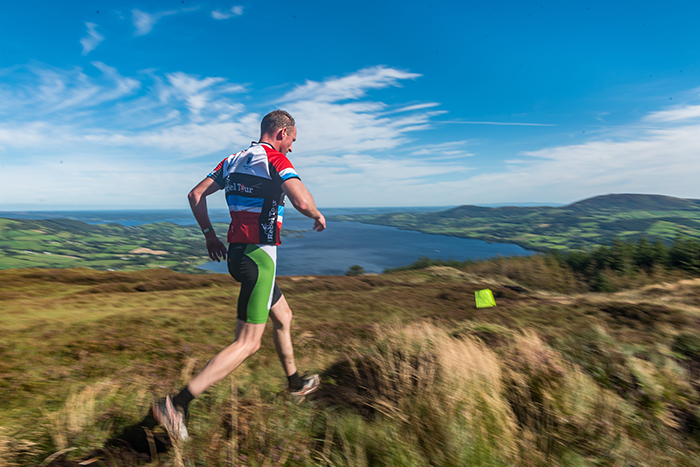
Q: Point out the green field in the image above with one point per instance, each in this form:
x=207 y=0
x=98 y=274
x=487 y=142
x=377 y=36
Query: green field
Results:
x=64 y=243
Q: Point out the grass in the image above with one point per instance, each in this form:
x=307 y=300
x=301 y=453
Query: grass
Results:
x=413 y=374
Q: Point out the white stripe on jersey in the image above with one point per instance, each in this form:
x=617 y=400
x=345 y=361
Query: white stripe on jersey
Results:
x=288 y=173
x=252 y=161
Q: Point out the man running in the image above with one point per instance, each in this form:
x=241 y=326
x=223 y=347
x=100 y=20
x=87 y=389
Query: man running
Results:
x=255 y=181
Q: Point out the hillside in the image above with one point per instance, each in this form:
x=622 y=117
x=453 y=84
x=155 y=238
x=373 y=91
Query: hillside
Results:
x=581 y=225
x=59 y=243
x=636 y=202
x=413 y=374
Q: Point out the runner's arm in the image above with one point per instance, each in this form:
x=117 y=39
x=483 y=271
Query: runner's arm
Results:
x=198 y=202
x=304 y=202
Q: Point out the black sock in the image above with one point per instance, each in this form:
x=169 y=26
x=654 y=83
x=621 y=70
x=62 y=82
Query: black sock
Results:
x=295 y=381
x=183 y=399
x=149 y=421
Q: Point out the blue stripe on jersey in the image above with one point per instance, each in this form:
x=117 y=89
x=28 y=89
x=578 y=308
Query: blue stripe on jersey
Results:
x=241 y=203
x=280 y=213
x=286 y=174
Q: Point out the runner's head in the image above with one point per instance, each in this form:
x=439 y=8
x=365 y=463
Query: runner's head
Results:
x=278 y=128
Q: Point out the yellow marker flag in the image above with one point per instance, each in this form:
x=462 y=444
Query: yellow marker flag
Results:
x=484 y=298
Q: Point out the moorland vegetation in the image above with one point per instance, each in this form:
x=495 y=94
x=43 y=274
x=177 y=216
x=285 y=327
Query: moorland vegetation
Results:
x=413 y=373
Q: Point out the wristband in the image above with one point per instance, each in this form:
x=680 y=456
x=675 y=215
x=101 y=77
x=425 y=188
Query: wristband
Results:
x=207 y=230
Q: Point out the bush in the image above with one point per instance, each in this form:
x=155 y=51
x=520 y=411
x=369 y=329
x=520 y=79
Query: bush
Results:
x=355 y=270
x=688 y=345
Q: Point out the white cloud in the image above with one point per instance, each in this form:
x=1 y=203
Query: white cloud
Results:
x=351 y=149
x=46 y=91
x=365 y=180
x=181 y=115
x=184 y=141
x=92 y=40
x=634 y=159
x=411 y=108
x=193 y=90
x=153 y=124
x=675 y=114
x=233 y=11
x=31 y=135
x=332 y=118
x=448 y=150
x=656 y=161
x=466 y=122
x=121 y=86
x=91 y=181
x=144 y=22
x=353 y=86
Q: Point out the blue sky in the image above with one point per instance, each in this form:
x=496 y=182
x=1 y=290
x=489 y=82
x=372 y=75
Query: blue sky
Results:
x=107 y=105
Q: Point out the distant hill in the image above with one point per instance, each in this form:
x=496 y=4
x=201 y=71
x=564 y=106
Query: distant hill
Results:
x=636 y=202
x=580 y=225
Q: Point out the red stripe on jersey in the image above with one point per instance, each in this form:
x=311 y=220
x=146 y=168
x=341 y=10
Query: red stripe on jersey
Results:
x=278 y=160
x=244 y=228
x=278 y=239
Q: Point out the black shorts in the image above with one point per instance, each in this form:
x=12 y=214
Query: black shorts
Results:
x=254 y=267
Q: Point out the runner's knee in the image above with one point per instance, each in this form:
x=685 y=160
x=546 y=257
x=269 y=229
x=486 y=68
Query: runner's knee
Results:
x=281 y=319
x=253 y=347
x=250 y=346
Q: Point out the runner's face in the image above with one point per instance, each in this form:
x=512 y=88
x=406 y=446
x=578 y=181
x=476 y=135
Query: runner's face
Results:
x=288 y=137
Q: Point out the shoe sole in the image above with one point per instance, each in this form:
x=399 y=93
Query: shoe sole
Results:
x=166 y=420
x=301 y=394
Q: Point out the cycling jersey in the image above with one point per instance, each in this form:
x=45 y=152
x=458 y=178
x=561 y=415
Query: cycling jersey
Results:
x=252 y=180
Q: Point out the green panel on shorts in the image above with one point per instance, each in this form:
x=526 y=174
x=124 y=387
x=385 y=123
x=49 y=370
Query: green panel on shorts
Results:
x=258 y=311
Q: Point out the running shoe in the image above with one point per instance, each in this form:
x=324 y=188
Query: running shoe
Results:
x=171 y=418
x=309 y=384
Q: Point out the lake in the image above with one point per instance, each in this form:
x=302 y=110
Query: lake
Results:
x=333 y=251
x=374 y=247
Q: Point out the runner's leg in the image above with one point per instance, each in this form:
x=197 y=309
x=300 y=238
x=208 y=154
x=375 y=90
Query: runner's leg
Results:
x=299 y=385
x=254 y=267
x=281 y=316
x=246 y=344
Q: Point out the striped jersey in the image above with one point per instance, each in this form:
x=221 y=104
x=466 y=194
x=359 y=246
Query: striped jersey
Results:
x=252 y=180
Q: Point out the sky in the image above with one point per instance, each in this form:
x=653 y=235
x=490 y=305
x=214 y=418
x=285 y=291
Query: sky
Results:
x=128 y=105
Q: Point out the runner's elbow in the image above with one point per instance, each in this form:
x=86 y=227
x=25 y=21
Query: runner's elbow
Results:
x=194 y=196
x=301 y=205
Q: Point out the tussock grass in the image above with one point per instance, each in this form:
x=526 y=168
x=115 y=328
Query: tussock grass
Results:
x=438 y=395
x=14 y=450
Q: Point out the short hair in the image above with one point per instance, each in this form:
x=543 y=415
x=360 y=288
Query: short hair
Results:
x=276 y=120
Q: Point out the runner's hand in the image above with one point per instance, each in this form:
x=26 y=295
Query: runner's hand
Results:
x=320 y=223
x=215 y=247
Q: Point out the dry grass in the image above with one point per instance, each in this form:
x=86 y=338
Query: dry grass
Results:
x=537 y=272
x=15 y=451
